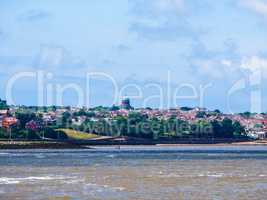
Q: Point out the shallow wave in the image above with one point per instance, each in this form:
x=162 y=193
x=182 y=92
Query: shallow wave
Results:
x=40 y=156
x=212 y=175
x=4 y=154
x=105 y=187
x=111 y=156
x=8 y=180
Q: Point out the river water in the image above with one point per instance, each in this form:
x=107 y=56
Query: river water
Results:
x=138 y=173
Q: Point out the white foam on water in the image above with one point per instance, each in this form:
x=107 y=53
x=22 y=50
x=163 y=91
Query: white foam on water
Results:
x=100 y=188
x=111 y=156
x=215 y=175
x=4 y=154
x=119 y=188
x=39 y=156
x=171 y=175
x=8 y=180
x=174 y=175
x=74 y=181
x=201 y=175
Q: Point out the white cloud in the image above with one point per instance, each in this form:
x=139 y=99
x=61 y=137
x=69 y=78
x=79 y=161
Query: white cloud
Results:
x=257 y=6
x=217 y=64
x=51 y=56
x=156 y=8
x=209 y=67
x=169 y=5
x=216 y=68
x=58 y=58
x=161 y=20
x=254 y=64
x=32 y=15
x=226 y=62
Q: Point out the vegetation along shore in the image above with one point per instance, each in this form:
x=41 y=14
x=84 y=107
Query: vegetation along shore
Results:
x=71 y=127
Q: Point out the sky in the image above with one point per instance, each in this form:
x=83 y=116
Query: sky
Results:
x=160 y=53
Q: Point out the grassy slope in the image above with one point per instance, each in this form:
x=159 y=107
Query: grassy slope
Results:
x=77 y=135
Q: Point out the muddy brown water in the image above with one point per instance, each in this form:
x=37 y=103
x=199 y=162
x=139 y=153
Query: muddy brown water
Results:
x=144 y=173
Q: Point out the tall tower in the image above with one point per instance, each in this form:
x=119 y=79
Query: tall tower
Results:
x=125 y=104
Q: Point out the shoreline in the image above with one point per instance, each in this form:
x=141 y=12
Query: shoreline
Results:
x=6 y=145
x=38 y=145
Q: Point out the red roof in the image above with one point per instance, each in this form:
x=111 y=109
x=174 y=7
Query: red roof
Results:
x=9 y=121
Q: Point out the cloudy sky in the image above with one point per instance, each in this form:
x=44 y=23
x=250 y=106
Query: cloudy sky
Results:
x=182 y=46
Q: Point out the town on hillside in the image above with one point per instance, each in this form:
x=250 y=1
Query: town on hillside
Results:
x=58 y=122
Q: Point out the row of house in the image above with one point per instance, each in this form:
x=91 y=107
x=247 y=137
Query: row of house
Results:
x=255 y=125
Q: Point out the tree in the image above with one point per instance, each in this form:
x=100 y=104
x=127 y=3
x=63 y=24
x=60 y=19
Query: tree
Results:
x=200 y=114
x=81 y=112
x=3 y=105
x=202 y=129
x=66 y=118
x=87 y=126
x=45 y=109
x=3 y=133
x=182 y=128
x=239 y=130
x=54 y=108
x=156 y=127
x=114 y=108
x=227 y=127
x=32 y=135
x=246 y=114
x=186 y=108
x=90 y=114
x=223 y=129
x=136 y=117
x=119 y=126
x=217 y=111
x=25 y=117
x=138 y=125
x=217 y=128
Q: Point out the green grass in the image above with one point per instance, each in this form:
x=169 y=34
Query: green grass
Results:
x=78 y=135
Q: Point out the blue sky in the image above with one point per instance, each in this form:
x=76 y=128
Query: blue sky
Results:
x=198 y=42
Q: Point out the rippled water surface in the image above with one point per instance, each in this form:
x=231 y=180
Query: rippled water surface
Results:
x=135 y=173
